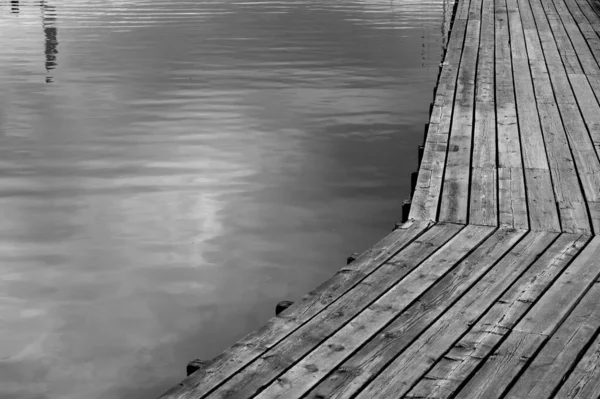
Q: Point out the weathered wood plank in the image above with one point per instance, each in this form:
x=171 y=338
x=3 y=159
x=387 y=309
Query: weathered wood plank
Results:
x=584 y=381
x=276 y=359
x=452 y=370
x=484 y=206
x=333 y=351
x=590 y=14
x=425 y=201
x=564 y=45
x=483 y=209
x=584 y=155
x=343 y=382
x=585 y=28
x=276 y=329
x=543 y=212
x=437 y=339
x=455 y=192
x=569 y=198
x=534 y=329
x=584 y=54
x=544 y=375
x=511 y=197
x=512 y=203
x=567 y=191
x=588 y=105
x=543 y=215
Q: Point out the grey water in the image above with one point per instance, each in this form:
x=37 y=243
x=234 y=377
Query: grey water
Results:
x=171 y=169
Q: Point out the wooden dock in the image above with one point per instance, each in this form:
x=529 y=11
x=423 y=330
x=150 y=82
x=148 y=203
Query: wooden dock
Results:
x=490 y=289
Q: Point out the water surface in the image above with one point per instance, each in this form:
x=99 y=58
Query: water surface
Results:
x=170 y=170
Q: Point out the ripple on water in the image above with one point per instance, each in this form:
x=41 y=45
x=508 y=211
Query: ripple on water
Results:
x=169 y=170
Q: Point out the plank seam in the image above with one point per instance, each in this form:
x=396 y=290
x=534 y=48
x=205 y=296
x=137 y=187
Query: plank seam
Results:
x=439 y=202
x=518 y=320
x=569 y=9
x=473 y=119
x=373 y=377
x=556 y=327
x=576 y=361
x=577 y=101
x=518 y=119
x=456 y=264
x=496 y=127
x=596 y=95
x=481 y=315
x=560 y=115
x=554 y=189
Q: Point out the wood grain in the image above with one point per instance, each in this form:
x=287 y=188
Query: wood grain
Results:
x=439 y=338
x=455 y=193
x=457 y=366
x=534 y=329
x=512 y=202
x=329 y=354
x=346 y=379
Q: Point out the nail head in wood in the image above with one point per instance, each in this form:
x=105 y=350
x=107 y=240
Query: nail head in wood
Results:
x=397 y=226
x=195 y=365
x=281 y=306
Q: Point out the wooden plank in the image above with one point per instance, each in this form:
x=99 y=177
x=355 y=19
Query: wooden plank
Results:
x=462 y=12
x=533 y=330
x=451 y=371
x=425 y=201
x=543 y=215
x=550 y=367
x=567 y=192
x=276 y=329
x=586 y=159
x=586 y=29
x=317 y=364
x=512 y=203
x=437 y=339
x=590 y=109
x=410 y=324
x=276 y=359
x=543 y=212
x=511 y=197
x=584 y=54
x=584 y=155
x=590 y=14
x=483 y=209
x=584 y=381
x=564 y=45
x=455 y=193
x=426 y=197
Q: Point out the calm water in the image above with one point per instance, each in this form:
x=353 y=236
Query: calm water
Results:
x=170 y=170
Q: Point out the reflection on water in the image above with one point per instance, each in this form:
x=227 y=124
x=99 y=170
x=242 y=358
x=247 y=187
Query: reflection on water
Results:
x=191 y=164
